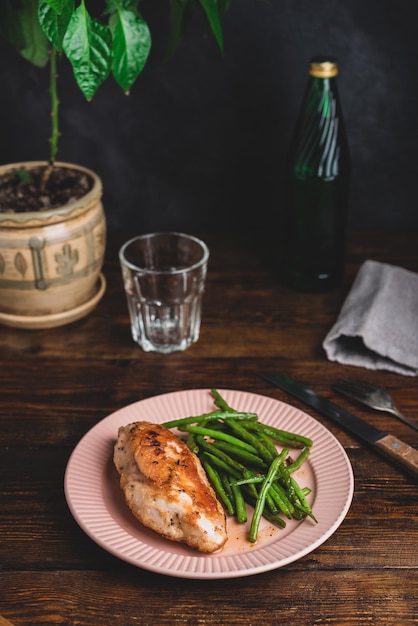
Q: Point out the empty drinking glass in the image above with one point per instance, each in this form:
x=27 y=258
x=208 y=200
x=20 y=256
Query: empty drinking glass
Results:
x=164 y=278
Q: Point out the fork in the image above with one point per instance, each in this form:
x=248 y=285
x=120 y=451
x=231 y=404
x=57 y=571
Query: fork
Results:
x=371 y=395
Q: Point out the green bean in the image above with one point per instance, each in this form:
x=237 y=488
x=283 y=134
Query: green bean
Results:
x=248 y=481
x=302 y=499
x=226 y=482
x=191 y=443
x=299 y=461
x=268 y=442
x=281 y=436
x=220 y=402
x=283 y=502
x=250 y=487
x=229 y=464
x=214 y=415
x=205 y=445
x=213 y=474
x=240 y=453
x=240 y=509
x=271 y=504
x=287 y=506
x=274 y=518
x=259 y=506
x=254 y=441
x=222 y=465
x=299 y=514
x=215 y=434
x=285 y=479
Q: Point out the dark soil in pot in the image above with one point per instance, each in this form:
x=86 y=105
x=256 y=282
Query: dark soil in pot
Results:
x=25 y=190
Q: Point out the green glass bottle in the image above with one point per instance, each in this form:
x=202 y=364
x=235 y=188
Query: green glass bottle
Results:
x=317 y=177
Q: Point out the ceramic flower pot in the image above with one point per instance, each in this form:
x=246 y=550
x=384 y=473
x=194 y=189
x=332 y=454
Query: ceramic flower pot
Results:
x=51 y=260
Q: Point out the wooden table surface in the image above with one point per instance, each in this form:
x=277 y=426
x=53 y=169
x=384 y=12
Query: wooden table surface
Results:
x=56 y=384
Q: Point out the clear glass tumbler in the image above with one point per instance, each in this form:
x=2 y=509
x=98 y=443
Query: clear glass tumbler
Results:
x=164 y=279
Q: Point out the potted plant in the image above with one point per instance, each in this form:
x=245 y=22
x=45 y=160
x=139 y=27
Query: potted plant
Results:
x=52 y=223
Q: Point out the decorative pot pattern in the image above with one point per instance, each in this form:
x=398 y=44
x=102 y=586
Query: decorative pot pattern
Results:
x=50 y=261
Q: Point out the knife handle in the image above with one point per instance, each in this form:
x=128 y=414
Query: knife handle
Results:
x=399 y=452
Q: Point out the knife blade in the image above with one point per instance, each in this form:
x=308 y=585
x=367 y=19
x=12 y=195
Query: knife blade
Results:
x=400 y=453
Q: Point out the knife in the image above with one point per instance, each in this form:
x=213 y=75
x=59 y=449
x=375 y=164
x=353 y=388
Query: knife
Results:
x=394 y=449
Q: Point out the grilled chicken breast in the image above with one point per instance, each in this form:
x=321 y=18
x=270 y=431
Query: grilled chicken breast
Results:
x=166 y=487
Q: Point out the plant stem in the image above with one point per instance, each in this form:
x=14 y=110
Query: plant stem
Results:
x=53 y=140
x=54 y=106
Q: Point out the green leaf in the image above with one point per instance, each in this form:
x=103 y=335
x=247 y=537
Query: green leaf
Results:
x=223 y=6
x=180 y=15
x=88 y=46
x=10 y=29
x=59 y=5
x=20 y=27
x=131 y=47
x=112 y=6
x=55 y=24
x=213 y=12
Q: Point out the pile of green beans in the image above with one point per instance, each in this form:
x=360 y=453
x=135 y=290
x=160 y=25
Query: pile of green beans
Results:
x=239 y=455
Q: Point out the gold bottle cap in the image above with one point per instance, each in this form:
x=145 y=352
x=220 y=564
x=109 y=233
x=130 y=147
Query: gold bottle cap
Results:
x=323 y=68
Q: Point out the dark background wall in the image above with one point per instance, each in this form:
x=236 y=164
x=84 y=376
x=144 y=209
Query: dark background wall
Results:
x=200 y=141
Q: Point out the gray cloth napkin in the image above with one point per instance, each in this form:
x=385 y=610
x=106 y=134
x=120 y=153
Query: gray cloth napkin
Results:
x=377 y=327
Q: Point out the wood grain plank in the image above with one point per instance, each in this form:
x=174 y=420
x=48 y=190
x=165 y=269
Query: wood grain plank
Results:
x=125 y=597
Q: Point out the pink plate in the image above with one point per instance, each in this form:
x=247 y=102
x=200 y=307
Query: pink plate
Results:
x=96 y=502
